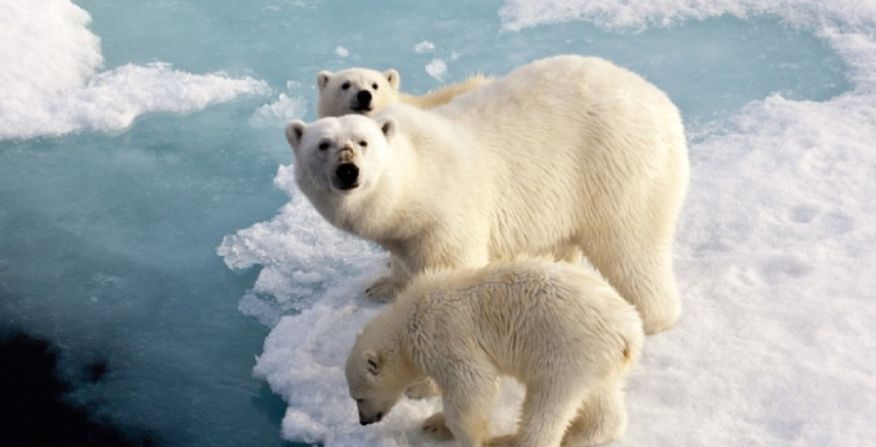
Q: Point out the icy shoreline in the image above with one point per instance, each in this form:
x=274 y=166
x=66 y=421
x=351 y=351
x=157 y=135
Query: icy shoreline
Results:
x=773 y=259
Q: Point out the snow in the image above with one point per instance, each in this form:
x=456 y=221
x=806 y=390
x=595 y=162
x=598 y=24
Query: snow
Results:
x=109 y=229
x=279 y=112
x=54 y=86
x=519 y=14
x=341 y=51
x=774 y=257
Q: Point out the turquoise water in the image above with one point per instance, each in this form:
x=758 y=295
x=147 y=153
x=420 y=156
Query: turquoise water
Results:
x=707 y=67
x=108 y=240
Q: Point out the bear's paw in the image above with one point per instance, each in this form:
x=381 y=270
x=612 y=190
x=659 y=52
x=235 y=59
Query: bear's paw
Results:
x=435 y=428
x=382 y=290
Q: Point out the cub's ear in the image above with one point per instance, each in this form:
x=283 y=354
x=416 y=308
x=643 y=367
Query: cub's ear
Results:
x=373 y=362
x=294 y=132
x=388 y=126
x=322 y=79
x=393 y=78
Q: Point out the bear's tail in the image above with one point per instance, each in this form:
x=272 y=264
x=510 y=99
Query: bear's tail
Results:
x=628 y=354
x=631 y=348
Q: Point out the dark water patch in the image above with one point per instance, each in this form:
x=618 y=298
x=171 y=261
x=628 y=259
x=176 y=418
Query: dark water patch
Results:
x=268 y=404
x=33 y=409
x=96 y=370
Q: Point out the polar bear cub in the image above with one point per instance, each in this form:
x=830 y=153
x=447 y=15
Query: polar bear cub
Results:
x=565 y=154
x=558 y=328
x=365 y=91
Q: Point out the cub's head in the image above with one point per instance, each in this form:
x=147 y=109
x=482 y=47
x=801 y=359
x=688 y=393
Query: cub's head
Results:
x=356 y=90
x=342 y=155
x=376 y=374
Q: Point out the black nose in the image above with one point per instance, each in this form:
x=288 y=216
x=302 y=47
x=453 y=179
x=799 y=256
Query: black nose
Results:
x=364 y=98
x=348 y=174
x=366 y=421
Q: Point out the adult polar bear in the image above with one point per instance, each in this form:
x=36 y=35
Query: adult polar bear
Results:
x=564 y=153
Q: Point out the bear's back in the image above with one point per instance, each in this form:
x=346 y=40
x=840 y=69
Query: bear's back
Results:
x=522 y=313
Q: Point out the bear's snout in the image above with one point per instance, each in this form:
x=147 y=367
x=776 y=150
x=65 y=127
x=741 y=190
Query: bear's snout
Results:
x=363 y=420
x=348 y=176
x=364 y=100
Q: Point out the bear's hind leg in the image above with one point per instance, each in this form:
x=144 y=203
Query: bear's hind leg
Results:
x=642 y=273
x=548 y=409
x=601 y=418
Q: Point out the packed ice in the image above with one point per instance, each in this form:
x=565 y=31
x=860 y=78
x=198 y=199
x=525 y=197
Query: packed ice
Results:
x=773 y=257
x=56 y=87
x=110 y=214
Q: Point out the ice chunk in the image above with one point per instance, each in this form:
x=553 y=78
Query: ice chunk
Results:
x=279 y=112
x=424 y=47
x=54 y=86
x=437 y=68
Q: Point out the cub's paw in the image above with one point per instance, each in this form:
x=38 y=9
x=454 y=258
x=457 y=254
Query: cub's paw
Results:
x=501 y=441
x=435 y=428
x=382 y=290
x=423 y=389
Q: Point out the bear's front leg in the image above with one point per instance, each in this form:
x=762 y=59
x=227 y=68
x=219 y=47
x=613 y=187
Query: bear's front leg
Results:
x=383 y=290
x=386 y=287
x=422 y=389
x=469 y=391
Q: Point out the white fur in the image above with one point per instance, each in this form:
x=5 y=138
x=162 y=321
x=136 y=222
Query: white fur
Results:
x=384 y=88
x=565 y=155
x=558 y=328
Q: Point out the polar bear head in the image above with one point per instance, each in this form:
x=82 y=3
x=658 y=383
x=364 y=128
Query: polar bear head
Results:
x=340 y=156
x=377 y=372
x=356 y=90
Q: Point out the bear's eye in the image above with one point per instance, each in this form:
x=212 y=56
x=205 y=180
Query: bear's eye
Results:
x=359 y=401
x=324 y=145
x=374 y=86
x=345 y=85
x=363 y=143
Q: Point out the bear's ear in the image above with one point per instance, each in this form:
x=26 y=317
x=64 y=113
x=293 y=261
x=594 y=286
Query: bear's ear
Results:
x=388 y=126
x=294 y=132
x=322 y=79
x=373 y=362
x=393 y=78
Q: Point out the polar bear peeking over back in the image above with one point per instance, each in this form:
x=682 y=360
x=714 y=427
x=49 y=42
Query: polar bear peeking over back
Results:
x=558 y=328
x=364 y=91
